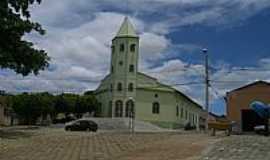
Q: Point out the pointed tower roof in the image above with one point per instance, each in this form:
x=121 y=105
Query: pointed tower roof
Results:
x=126 y=29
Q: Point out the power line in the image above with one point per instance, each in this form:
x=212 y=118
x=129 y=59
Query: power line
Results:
x=36 y=79
x=143 y=85
x=87 y=80
x=155 y=86
x=216 y=91
x=242 y=69
x=229 y=81
x=189 y=83
x=175 y=70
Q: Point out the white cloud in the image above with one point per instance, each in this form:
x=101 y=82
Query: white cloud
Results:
x=152 y=45
x=231 y=77
x=178 y=73
x=225 y=77
x=81 y=55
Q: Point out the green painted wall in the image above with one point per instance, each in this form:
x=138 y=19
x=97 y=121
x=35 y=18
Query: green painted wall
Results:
x=169 y=102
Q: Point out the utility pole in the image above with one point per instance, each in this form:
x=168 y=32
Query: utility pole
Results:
x=205 y=52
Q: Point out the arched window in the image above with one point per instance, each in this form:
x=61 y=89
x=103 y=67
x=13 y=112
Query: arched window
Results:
x=182 y=112
x=111 y=88
x=155 y=108
x=133 y=47
x=122 y=47
x=118 y=112
x=113 y=49
x=193 y=119
x=129 y=108
x=112 y=69
x=110 y=108
x=130 y=87
x=131 y=68
x=119 y=86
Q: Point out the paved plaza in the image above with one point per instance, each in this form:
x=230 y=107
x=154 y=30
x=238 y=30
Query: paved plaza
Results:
x=56 y=144
x=239 y=147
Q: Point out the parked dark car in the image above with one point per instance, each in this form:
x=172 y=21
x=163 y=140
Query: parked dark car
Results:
x=81 y=125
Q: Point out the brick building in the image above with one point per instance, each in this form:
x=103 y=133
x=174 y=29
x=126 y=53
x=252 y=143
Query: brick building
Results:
x=238 y=102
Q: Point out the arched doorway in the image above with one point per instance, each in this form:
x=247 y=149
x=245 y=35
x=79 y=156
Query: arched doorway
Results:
x=129 y=108
x=118 y=109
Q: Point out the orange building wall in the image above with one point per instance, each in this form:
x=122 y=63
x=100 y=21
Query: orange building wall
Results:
x=241 y=99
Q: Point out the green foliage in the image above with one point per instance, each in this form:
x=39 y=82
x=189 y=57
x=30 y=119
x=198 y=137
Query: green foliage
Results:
x=16 y=53
x=46 y=103
x=31 y=106
x=27 y=107
x=60 y=104
x=65 y=103
x=86 y=103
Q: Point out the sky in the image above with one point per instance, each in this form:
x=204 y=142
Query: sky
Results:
x=172 y=35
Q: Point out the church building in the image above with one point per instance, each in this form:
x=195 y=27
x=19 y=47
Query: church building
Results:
x=126 y=92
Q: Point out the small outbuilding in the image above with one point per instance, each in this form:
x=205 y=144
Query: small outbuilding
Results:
x=238 y=105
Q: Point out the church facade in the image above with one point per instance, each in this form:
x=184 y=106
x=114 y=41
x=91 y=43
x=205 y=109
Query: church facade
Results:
x=126 y=92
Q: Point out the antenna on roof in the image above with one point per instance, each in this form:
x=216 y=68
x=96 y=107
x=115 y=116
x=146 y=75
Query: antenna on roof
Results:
x=127 y=8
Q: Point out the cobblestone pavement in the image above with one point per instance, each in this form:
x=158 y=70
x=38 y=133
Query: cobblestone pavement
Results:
x=239 y=147
x=56 y=144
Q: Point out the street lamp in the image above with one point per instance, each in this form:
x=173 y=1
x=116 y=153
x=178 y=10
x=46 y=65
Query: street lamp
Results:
x=204 y=50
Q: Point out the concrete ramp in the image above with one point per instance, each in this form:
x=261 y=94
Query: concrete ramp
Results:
x=142 y=126
x=110 y=123
x=123 y=124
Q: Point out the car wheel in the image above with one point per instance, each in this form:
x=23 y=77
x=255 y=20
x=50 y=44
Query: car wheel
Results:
x=94 y=129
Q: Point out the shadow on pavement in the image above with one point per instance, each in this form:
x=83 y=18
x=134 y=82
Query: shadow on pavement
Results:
x=16 y=133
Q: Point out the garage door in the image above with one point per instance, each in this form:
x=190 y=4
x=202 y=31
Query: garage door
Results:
x=250 y=119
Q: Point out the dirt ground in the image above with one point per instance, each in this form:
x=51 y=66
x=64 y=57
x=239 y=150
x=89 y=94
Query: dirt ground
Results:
x=56 y=144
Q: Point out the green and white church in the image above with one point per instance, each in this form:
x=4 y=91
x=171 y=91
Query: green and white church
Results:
x=126 y=92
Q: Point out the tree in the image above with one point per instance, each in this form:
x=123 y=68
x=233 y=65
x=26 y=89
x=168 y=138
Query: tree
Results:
x=86 y=103
x=16 y=53
x=60 y=104
x=65 y=103
x=46 y=102
x=27 y=107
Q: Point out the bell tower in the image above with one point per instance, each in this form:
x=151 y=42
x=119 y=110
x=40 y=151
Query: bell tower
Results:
x=124 y=67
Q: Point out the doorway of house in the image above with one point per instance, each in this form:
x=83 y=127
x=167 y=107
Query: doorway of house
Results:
x=250 y=119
